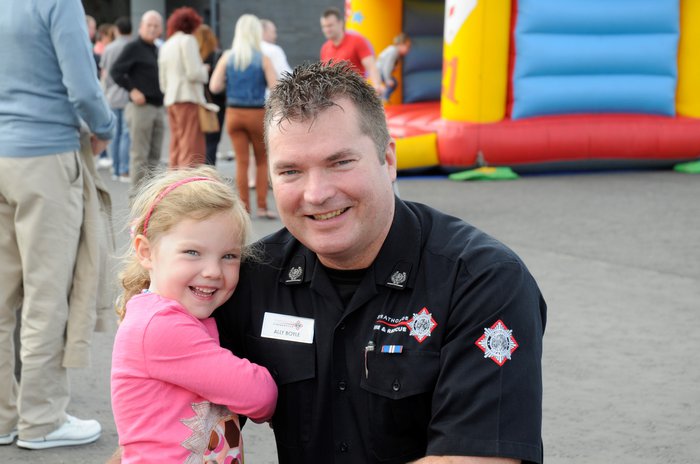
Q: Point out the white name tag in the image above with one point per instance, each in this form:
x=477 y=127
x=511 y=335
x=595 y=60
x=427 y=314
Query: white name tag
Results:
x=289 y=328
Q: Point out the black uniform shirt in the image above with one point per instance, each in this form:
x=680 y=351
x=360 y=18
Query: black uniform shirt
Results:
x=438 y=352
x=136 y=67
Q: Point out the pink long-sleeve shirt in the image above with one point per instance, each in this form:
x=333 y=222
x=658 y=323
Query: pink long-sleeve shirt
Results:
x=175 y=392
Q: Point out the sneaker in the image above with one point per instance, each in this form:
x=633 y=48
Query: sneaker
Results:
x=125 y=179
x=8 y=438
x=74 y=432
x=115 y=177
x=104 y=163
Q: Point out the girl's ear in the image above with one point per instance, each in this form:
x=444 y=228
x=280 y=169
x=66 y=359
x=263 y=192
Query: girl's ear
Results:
x=143 y=251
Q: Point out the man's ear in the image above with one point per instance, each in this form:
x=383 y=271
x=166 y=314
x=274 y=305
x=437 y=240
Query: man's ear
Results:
x=143 y=251
x=390 y=159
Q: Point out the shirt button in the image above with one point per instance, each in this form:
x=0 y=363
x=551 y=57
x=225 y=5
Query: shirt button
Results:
x=342 y=385
x=396 y=386
x=342 y=327
x=344 y=447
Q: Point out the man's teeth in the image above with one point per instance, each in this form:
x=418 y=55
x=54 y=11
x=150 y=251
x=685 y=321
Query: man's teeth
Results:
x=332 y=214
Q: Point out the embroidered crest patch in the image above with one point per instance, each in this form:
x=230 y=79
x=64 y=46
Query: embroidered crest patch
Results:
x=497 y=343
x=421 y=325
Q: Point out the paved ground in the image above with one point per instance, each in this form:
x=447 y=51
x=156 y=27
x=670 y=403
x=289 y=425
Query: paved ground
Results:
x=617 y=255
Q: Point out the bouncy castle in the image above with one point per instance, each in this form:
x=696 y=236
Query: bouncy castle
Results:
x=541 y=84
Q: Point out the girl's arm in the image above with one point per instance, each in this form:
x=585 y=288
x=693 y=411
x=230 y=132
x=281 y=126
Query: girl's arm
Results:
x=184 y=351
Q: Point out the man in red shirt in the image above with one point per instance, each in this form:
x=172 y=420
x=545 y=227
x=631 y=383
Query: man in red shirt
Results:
x=350 y=46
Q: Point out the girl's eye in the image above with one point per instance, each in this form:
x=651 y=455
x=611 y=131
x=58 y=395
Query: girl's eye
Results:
x=230 y=256
x=192 y=252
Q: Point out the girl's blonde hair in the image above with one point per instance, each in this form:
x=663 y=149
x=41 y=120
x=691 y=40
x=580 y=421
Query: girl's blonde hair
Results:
x=164 y=201
x=246 y=40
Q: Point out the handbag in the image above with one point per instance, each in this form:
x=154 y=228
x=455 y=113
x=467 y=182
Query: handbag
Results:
x=208 y=118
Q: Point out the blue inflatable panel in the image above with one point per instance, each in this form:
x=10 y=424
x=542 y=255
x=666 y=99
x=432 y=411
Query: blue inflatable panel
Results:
x=423 y=17
x=597 y=16
x=595 y=56
x=425 y=54
x=596 y=94
x=423 y=21
x=420 y=86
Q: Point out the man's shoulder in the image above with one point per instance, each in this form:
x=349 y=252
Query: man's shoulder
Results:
x=458 y=240
x=272 y=250
x=113 y=49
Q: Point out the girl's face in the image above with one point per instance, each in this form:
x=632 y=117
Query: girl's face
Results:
x=195 y=263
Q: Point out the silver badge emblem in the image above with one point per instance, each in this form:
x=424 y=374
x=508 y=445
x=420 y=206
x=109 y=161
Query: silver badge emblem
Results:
x=295 y=274
x=398 y=279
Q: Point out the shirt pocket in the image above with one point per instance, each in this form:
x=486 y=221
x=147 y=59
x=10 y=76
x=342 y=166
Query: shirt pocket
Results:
x=293 y=366
x=400 y=388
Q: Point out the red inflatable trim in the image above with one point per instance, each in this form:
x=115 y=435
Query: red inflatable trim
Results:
x=550 y=139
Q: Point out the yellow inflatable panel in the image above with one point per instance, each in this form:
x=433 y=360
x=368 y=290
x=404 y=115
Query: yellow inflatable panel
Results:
x=475 y=60
x=379 y=22
x=419 y=151
x=688 y=91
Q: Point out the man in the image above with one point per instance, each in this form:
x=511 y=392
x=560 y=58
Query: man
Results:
x=351 y=46
x=136 y=70
x=273 y=51
x=117 y=97
x=395 y=332
x=48 y=83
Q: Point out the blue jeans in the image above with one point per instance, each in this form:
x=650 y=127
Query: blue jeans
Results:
x=119 y=147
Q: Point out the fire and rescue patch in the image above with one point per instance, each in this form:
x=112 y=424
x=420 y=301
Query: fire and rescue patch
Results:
x=420 y=326
x=497 y=343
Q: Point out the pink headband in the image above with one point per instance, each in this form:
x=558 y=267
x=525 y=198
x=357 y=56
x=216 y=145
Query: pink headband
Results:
x=166 y=191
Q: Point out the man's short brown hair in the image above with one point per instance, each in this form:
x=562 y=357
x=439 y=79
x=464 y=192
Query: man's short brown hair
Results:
x=313 y=88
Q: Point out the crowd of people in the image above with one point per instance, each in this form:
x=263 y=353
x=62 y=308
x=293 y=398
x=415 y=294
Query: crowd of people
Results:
x=368 y=329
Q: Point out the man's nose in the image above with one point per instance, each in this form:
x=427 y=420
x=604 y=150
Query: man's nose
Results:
x=318 y=187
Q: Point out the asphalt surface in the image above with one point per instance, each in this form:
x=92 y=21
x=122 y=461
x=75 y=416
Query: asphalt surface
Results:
x=617 y=255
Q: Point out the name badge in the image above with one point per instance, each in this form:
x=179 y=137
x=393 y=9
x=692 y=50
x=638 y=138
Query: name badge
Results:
x=289 y=328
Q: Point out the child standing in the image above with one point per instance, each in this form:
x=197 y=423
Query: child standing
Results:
x=176 y=394
x=387 y=61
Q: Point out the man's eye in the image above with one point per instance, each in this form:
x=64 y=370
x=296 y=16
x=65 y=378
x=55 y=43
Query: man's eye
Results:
x=289 y=172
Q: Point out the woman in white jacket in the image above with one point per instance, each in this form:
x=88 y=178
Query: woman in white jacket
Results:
x=182 y=74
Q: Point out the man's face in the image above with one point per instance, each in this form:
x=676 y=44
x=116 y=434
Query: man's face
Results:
x=151 y=27
x=331 y=190
x=332 y=28
x=270 y=33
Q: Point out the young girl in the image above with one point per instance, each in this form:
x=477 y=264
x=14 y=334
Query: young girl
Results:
x=175 y=392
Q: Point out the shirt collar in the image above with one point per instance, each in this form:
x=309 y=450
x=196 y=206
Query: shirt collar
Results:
x=395 y=266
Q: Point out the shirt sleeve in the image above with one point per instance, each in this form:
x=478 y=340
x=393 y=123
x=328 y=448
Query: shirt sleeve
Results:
x=194 y=68
x=488 y=397
x=122 y=66
x=184 y=351
x=363 y=47
x=79 y=69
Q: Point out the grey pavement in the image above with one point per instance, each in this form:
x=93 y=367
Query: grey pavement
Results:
x=617 y=255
